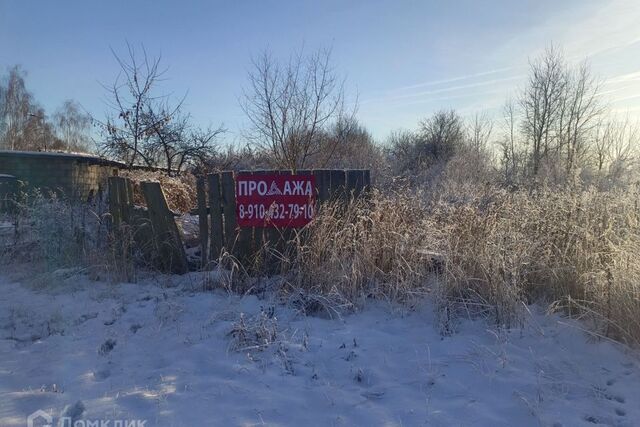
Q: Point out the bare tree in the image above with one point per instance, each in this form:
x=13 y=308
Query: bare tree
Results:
x=38 y=133
x=479 y=131
x=73 y=126
x=615 y=144
x=15 y=108
x=290 y=105
x=441 y=135
x=148 y=128
x=401 y=148
x=175 y=143
x=3 y=119
x=578 y=115
x=509 y=151
x=353 y=147
x=128 y=130
x=541 y=103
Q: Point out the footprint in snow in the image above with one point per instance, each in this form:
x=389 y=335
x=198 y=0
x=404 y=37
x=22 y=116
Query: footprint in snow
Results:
x=618 y=399
x=106 y=347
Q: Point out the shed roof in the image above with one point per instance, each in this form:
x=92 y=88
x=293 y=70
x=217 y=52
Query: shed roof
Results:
x=89 y=158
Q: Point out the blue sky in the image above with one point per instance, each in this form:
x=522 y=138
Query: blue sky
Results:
x=403 y=59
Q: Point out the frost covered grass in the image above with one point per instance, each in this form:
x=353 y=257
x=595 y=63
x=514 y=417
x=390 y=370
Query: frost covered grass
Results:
x=52 y=232
x=486 y=252
x=480 y=252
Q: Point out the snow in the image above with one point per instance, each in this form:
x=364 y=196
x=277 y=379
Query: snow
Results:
x=164 y=351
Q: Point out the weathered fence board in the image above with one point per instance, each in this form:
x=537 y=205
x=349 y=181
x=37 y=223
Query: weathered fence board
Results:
x=166 y=235
x=355 y=183
x=114 y=203
x=229 y=210
x=215 y=214
x=203 y=221
x=337 y=185
x=243 y=235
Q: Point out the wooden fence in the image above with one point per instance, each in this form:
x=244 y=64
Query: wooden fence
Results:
x=220 y=233
x=152 y=229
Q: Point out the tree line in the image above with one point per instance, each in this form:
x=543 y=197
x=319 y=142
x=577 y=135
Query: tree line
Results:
x=557 y=129
x=25 y=125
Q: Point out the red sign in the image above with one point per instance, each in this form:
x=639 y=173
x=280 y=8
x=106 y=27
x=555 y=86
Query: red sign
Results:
x=275 y=200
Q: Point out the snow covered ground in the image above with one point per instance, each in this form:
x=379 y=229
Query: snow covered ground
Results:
x=167 y=352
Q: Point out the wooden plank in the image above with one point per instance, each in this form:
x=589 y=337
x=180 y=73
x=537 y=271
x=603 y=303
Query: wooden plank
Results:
x=123 y=197
x=355 y=183
x=215 y=212
x=243 y=249
x=337 y=186
x=166 y=237
x=323 y=182
x=366 y=180
x=130 y=194
x=229 y=211
x=203 y=221
x=114 y=203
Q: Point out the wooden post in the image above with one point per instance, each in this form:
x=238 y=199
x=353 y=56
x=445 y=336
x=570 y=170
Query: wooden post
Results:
x=203 y=220
x=215 y=211
x=166 y=236
x=244 y=237
x=124 y=199
x=114 y=203
x=229 y=211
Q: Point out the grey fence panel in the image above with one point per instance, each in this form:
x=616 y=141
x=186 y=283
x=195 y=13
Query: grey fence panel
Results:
x=323 y=182
x=337 y=186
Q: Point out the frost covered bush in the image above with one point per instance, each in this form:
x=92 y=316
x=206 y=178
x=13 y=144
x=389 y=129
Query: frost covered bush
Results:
x=54 y=230
x=254 y=333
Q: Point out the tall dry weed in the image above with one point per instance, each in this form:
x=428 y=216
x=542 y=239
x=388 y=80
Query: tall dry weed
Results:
x=370 y=248
x=484 y=253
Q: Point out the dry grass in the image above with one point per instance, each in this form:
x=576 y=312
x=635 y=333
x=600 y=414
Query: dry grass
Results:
x=575 y=250
x=370 y=249
x=52 y=233
x=180 y=191
x=478 y=251
x=489 y=251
